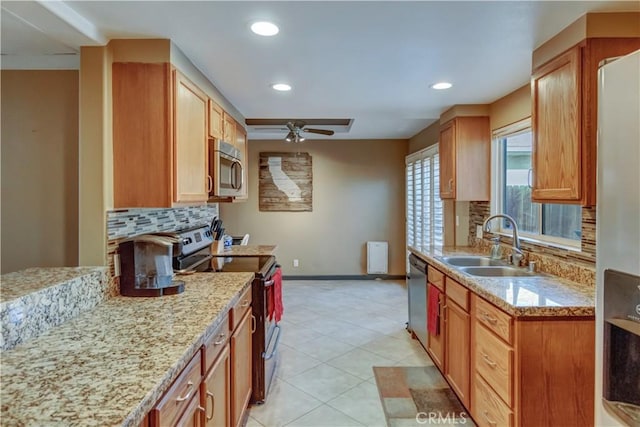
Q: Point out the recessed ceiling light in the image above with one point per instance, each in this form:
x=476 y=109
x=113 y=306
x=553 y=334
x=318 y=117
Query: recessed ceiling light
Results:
x=264 y=28
x=441 y=85
x=282 y=87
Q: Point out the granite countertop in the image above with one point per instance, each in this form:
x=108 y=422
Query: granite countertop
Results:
x=22 y=283
x=525 y=296
x=108 y=366
x=248 y=250
x=37 y=299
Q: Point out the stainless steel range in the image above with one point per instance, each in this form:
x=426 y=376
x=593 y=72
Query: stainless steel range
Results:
x=267 y=334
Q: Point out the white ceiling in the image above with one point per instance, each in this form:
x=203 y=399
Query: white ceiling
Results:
x=369 y=61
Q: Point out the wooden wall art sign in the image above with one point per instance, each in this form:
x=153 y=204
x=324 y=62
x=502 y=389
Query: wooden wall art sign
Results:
x=285 y=182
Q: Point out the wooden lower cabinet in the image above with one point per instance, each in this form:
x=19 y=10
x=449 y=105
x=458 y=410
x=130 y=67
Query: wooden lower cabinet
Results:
x=513 y=371
x=436 y=342
x=457 y=354
x=241 y=369
x=215 y=391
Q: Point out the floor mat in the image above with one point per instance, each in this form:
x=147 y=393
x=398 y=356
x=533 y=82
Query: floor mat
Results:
x=418 y=395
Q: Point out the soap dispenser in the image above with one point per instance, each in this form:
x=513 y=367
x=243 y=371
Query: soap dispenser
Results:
x=495 y=249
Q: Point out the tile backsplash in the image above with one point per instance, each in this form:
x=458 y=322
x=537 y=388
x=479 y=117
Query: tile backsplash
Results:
x=131 y=222
x=573 y=265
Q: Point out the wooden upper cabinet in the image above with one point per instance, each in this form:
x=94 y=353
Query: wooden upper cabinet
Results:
x=159 y=137
x=556 y=112
x=229 y=128
x=564 y=94
x=190 y=142
x=465 y=158
x=142 y=135
x=215 y=120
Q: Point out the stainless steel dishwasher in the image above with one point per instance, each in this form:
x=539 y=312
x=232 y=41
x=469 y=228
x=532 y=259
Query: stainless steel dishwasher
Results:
x=418 y=298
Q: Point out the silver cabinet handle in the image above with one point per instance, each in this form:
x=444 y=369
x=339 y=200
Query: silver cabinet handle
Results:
x=211 y=397
x=209 y=184
x=488 y=361
x=254 y=322
x=488 y=319
x=220 y=339
x=188 y=395
x=485 y=414
x=529 y=174
x=450 y=184
x=245 y=303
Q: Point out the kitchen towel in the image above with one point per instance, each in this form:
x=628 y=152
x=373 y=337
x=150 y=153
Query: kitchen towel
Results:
x=275 y=297
x=433 y=310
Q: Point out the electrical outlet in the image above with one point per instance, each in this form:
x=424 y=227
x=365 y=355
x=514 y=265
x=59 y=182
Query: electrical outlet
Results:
x=296 y=263
x=479 y=231
x=116 y=265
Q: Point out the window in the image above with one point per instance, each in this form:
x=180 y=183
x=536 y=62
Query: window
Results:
x=424 y=207
x=557 y=223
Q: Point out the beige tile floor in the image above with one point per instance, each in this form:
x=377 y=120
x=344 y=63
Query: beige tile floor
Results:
x=333 y=333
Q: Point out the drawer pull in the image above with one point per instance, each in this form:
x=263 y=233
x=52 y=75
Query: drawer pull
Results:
x=213 y=404
x=200 y=408
x=488 y=361
x=188 y=395
x=220 y=340
x=254 y=322
x=485 y=414
x=488 y=319
x=245 y=303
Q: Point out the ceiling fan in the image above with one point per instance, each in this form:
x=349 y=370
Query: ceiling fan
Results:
x=299 y=126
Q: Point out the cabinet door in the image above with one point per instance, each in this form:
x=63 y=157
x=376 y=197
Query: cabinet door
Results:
x=447 y=149
x=458 y=350
x=229 y=129
x=215 y=120
x=216 y=388
x=556 y=121
x=242 y=145
x=240 y=369
x=435 y=343
x=190 y=162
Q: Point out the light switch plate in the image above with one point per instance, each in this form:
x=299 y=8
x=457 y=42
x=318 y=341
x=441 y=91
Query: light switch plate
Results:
x=479 y=231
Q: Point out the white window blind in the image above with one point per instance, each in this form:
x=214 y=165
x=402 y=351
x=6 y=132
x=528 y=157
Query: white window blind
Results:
x=424 y=207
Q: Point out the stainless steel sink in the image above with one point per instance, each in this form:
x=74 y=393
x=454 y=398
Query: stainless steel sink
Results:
x=472 y=261
x=495 y=271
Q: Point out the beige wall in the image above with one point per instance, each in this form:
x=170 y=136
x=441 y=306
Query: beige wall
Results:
x=39 y=169
x=425 y=138
x=358 y=195
x=510 y=108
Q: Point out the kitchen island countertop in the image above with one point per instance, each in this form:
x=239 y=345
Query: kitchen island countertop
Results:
x=248 y=250
x=108 y=366
x=524 y=296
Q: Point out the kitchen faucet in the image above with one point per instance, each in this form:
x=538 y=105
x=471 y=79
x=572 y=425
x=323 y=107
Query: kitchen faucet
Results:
x=516 y=253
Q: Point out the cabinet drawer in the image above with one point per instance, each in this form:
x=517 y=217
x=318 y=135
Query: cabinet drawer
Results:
x=495 y=319
x=435 y=278
x=177 y=398
x=488 y=409
x=494 y=361
x=458 y=293
x=240 y=308
x=215 y=343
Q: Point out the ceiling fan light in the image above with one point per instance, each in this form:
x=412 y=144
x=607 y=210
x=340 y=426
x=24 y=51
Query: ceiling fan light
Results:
x=300 y=139
x=291 y=137
x=264 y=28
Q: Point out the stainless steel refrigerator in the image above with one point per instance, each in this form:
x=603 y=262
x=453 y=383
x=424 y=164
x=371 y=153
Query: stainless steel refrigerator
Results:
x=617 y=382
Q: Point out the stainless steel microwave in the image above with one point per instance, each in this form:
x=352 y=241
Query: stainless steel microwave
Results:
x=225 y=167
